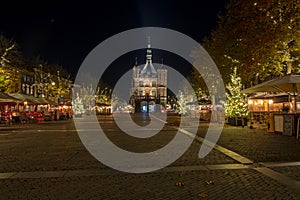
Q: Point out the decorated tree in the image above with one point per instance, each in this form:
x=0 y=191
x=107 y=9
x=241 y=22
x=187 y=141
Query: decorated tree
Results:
x=9 y=79
x=182 y=107
x=78 y=106
x=9 y=53
x=103 y=94
x=236 y=105
x=10 y=65
x=263 y=36
x=51 y=81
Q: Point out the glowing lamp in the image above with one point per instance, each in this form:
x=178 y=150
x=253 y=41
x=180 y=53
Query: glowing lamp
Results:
x=270 y=101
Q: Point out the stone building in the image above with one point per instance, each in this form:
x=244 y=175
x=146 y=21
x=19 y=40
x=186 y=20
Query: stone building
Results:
x=149 y=85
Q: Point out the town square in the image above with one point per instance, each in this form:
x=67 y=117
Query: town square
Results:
x=150 y=100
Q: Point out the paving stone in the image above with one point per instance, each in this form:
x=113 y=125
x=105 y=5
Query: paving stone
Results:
x=52 y=163
x=227 y=184
x=290 y=171
x=258 y=145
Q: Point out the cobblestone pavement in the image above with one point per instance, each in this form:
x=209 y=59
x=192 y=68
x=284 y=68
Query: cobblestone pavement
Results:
x=48 y=161
x=290 y=171
x=258 y=145
x=226 y=184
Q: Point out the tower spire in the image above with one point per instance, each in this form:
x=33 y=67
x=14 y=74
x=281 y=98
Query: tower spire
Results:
x=149 y=42
x=148 y=68
x=162 y=63
x=149 y=52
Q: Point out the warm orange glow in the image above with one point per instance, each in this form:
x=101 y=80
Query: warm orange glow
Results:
x=270 y=101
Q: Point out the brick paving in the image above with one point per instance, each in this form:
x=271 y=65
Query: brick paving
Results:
x=57 y=166
x=47 y=150
x=290 y=171
x=226 y=184
x=258 y=145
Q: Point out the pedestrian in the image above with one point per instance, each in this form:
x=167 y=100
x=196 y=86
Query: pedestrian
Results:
x=55 y=115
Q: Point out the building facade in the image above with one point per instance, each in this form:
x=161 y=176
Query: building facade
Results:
x=149 y=85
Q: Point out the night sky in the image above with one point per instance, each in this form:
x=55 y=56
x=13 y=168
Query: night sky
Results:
x=65 y=32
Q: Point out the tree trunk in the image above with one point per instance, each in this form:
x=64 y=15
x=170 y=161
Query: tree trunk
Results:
x=289 y=67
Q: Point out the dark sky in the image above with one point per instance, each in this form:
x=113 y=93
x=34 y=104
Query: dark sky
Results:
x=65 y=32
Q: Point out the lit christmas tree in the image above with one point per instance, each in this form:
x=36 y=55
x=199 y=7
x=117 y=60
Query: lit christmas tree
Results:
x=182 y=107
x=78 y=107
x=236 y=104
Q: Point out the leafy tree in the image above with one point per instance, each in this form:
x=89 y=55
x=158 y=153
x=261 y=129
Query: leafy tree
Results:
x=198 y=84
x=10 y=65
x=9 y=79
x=50 y=81
x=104 y=93
x=262 y=36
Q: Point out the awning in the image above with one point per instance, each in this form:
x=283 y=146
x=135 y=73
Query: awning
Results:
x=287 y=83
x=25 y=98
x=44 y=101
x=6 y=99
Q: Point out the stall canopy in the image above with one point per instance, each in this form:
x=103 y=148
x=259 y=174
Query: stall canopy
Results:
x=289 y=83
x=25 y=98
x=5 y=98
x=44 y=101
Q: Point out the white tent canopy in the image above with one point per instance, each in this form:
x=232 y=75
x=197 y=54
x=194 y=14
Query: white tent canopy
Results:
x=289 y=83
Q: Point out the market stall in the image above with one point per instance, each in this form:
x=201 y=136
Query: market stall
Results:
x=7 y=104
x=285 y=113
